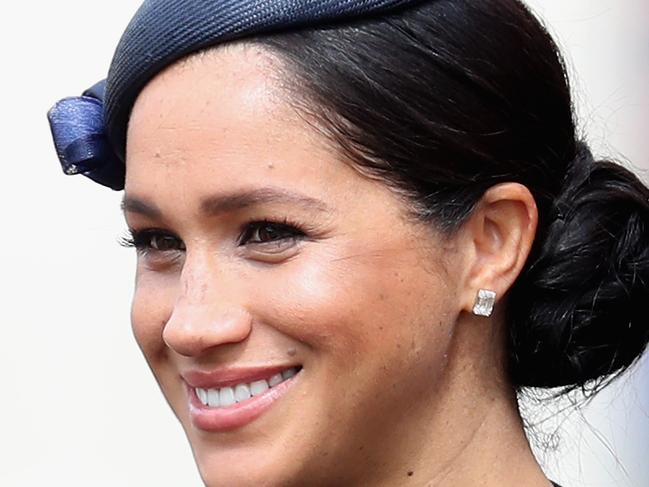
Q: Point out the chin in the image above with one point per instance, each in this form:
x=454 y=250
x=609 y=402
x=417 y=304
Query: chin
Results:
x=245 y=469
x=272 y=448
x=237 y=460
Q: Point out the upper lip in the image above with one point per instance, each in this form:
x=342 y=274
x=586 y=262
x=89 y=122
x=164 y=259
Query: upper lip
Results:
x=224 y=377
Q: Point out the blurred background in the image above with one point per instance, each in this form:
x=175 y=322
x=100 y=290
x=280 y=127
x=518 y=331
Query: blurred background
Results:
x=79 y=406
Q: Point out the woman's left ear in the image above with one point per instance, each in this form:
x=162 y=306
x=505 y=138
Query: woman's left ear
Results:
x=497 y=238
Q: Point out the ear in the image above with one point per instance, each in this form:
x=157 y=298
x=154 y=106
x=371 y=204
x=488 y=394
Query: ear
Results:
x=498 y=237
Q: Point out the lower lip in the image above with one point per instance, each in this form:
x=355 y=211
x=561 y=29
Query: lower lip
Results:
x=237 y=415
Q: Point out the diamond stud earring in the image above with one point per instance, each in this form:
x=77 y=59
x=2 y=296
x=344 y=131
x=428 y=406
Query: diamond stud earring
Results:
x=484 y=303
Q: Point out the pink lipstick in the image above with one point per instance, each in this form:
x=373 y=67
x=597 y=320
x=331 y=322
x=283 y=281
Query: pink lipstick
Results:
x=226 y=399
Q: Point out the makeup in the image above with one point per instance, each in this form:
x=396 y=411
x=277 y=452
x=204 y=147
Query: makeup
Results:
x=226 y=400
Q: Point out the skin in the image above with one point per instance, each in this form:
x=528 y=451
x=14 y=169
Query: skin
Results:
x=401 y=384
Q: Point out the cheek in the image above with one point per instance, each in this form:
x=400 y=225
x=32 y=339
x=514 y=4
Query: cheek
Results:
x=376 y=330
x=351 y=308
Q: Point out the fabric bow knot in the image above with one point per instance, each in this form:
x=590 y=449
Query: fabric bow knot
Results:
x=81 y=141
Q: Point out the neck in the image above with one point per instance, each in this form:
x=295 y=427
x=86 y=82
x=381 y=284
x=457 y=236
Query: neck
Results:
x=493 y=452
x=469 y=431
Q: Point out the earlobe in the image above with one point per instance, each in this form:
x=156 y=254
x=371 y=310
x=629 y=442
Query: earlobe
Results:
x=500 y=232
x=485 y=301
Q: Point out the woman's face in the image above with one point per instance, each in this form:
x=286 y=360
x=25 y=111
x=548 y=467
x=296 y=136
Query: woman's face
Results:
x=289 y=309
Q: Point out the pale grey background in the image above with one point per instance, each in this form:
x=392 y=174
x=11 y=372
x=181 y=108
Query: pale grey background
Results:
x=79 y=406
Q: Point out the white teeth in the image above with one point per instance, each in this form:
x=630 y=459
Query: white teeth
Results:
x=258 y=387
x=274 y=380
x=213 y=398
x=227 y=396
x=202 y=395
x=241 y=392
x=288 y=373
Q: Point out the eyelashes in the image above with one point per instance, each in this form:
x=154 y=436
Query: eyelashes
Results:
x=152 y=240
x=271 y=235
x=267 y=231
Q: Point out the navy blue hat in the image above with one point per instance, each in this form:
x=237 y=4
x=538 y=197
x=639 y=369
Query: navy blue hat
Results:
x=90 y=131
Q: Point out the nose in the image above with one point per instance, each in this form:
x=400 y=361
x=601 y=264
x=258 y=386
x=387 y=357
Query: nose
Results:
x=208 y=312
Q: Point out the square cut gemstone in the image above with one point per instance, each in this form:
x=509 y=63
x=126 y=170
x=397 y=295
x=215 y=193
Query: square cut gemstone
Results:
x=484 y=303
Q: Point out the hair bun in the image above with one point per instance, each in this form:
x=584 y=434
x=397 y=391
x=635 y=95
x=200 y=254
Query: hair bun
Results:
x=579 y=312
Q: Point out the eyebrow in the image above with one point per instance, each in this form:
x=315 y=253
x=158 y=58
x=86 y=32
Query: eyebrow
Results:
x=231 y=202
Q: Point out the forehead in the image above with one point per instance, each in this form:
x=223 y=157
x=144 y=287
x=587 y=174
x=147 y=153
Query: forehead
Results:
x=220 y=116
x=242 y=69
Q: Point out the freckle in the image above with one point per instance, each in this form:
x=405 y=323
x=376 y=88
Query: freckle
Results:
x=380 y=328
x=157 y=155
x=291 y=352
x=382 y=297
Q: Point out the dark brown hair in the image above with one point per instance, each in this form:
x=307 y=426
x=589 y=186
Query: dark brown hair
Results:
x=451 y=97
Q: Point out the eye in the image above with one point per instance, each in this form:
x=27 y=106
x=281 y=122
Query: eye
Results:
x=153 y=240
x=165 y=243
x=267 y=232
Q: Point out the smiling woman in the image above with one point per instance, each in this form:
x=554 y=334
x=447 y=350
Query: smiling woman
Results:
x=361 y=228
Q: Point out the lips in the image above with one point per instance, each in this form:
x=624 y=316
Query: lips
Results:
x=227 y=399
